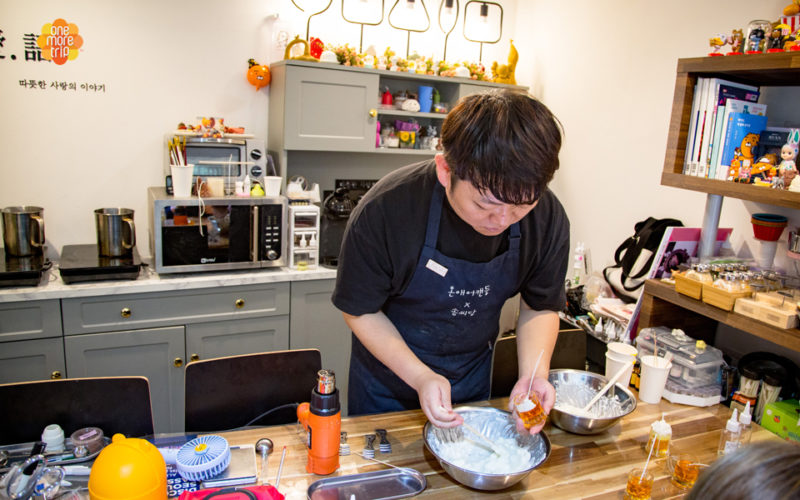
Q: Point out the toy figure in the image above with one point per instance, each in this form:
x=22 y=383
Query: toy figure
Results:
x=505 y=73
x=717 y=43
x=754 y=41
x=742 y=162
x=258 y=75
x=764 y=168
x=735 y=41
x=792 y=9
x=787 y=170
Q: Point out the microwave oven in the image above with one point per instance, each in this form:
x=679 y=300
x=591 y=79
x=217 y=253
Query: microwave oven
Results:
x=231 y=158
x=216 y=234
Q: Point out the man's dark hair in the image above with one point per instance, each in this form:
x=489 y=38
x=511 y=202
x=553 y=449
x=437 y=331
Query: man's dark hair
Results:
x=503 y=142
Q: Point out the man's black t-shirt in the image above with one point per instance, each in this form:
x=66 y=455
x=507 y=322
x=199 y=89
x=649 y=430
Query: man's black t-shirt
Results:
x=386 y=232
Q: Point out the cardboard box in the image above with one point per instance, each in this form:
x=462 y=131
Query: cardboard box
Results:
x=783 y=418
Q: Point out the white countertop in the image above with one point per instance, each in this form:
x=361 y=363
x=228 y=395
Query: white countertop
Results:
x=52 y=287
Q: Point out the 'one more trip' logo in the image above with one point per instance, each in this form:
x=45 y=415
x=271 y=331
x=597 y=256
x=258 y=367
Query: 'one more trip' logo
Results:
x=60 y=41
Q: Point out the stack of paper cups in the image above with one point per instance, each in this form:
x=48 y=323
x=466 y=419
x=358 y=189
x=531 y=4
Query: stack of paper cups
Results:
x=617 y=355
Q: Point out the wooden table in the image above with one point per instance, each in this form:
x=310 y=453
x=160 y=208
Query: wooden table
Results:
x=593 y=467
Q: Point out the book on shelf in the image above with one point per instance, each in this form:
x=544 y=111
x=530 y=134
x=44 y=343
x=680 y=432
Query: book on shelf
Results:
x=740 y=138
x=704 y=129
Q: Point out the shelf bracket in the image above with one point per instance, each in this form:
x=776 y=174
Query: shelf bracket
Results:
x=708 y=235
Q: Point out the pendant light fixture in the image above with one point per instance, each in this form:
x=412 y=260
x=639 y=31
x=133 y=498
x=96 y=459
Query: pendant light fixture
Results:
x=308 y=23
x=479 y=25
x=361 y=8
x=409 y=17
x=448 y=9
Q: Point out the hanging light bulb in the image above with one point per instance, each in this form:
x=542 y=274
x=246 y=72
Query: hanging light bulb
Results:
x=448 y=7
x=479 y=28
x=414 y=17
x=448 y=10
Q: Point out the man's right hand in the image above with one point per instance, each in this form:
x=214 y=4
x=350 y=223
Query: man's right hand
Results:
x=434 y=399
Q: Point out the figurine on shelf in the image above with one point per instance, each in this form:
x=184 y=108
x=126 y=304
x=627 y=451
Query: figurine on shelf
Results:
x=787 y=170
x=742 y=162
x=717 y=42
x=776 y=38
x=756 y=31
x=792 y=9
x=505 y=73
x=735 y=41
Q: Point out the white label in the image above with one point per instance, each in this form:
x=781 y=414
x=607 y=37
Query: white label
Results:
x=436 y=267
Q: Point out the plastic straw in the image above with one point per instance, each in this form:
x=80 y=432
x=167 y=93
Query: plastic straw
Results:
x=280 y=468
x=535 y=366
x=648 y=458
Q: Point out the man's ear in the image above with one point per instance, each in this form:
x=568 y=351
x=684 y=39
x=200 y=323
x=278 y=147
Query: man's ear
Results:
x=442 y=170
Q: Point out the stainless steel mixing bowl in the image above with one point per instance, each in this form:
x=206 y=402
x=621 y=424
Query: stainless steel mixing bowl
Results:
x=494 y=424
x=587 y=425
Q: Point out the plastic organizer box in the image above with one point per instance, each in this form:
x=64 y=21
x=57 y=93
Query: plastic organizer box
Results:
x=691 y=366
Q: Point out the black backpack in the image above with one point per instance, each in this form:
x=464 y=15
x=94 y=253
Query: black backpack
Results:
x=634 y=257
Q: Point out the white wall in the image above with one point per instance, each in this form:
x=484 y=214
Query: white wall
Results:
x=607 y=70
x=162 y=63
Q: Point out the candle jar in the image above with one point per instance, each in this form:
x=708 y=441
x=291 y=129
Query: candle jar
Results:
x=529 y=409
x=684 y=469
x=640 y=485
x=660 y=435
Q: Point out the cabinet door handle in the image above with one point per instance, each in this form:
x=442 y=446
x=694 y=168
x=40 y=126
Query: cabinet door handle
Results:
x=239 y=303
x=56 y=374
x=373 y=112
x=126 y=312
x=194 y=357
x=178 y=362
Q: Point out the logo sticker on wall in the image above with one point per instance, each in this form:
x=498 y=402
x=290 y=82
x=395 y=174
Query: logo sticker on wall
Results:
x=60 y=41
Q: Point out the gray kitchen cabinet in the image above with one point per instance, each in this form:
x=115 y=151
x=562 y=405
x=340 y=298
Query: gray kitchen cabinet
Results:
x=156 y=353
x=27 y=360
x=331 y=108
x=155 y=334
x=182 y=307
x=31 y=347
x=316 y=323
x=32 y=319
x=323 y=109
x=231 y=338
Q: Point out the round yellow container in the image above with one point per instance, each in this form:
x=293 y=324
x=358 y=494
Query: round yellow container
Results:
x=128 y=469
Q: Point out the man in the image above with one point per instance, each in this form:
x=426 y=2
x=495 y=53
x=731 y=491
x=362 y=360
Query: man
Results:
x=433 y=251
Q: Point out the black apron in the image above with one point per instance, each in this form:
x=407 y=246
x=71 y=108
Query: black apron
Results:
x=449 y=316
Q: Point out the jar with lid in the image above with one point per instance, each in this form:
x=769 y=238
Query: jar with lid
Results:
x=770 y=389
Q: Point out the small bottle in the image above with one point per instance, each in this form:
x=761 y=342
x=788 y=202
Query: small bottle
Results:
x=729 y=439
x=247 y=185
x=745 y=427
x=660 y=435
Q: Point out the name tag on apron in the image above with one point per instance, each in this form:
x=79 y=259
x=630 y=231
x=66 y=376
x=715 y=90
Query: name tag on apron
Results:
x=436 y=267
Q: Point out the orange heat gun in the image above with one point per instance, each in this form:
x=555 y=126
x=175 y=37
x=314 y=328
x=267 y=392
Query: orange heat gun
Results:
x=322 y=419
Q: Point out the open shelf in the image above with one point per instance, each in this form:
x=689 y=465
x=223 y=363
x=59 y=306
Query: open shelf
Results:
x=780 y=69
x=663 y=306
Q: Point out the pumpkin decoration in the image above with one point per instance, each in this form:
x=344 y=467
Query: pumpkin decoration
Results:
x=258 y=74
x=316 y=47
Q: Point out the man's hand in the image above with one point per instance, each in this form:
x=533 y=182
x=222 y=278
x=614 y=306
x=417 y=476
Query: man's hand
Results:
x=547 y=398
x=434 y=399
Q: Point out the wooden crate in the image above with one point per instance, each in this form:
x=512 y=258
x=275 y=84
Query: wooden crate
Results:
x=784 y=316
x=723 y=299
x=687 y=286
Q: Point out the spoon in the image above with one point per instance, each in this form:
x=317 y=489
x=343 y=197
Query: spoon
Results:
x=264 y=447
x=585 y=409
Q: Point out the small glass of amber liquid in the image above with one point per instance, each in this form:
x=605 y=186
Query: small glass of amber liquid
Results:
x=685 y=470
x=661 y=446
x=640 y=486
x=529 y=409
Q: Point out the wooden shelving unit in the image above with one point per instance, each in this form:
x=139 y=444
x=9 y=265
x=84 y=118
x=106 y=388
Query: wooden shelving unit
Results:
x=781 y=69
x=663 y=306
